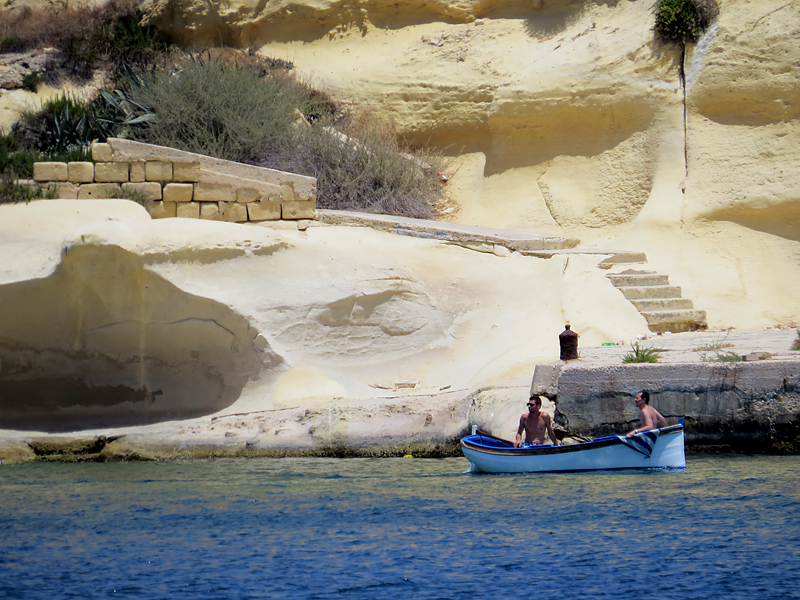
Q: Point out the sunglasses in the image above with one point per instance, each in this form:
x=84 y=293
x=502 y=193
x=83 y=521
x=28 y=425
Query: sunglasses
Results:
x=533 y=404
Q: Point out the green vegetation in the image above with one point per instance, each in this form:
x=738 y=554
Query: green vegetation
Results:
x=641 y=355
x=681 y=21
x=215 y=108
x=362 y=165
x=796 y=344
x=253 y=113
x=88 y=36
x=222 y=103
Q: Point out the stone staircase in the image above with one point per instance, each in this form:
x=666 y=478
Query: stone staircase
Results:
x=659 y=302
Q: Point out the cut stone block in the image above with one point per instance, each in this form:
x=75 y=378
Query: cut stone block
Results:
x=178 y=192
x=80 y=172
x=163 y=210
x=65 y=191
x=287 y=192
x=186 y=171
x=264 y=211
x=102 y=153
x=149 y=190
x=156 y=170
x=89 y=191
x=214 y=192
x=245 y=195
x=188 y=210
x=210 y=210
x=137 y=171
x=234 y=212
x=50 y=171
x=116 y=172
x=298 y=210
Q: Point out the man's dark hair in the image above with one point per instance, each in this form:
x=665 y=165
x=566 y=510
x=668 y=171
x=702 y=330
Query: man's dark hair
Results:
x=645 y=396
x=535 y=399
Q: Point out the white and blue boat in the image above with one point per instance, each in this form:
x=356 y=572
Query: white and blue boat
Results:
x=656 y=449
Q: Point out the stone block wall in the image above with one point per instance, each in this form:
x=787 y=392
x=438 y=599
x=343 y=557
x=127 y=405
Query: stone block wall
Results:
x=174 y=183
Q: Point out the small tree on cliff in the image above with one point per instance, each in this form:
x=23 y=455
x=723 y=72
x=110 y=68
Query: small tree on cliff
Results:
x=682 y=21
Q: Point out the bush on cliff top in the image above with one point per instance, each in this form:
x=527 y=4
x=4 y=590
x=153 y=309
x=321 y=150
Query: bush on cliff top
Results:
x=88 y=36
x=215 y=108
x=682 y=21
x=248 y=113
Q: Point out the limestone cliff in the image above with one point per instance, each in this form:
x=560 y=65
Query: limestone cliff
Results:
x=570 y=117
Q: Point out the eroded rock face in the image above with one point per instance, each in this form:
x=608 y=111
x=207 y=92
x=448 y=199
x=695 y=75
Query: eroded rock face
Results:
x=102 y=342
x=563 y=115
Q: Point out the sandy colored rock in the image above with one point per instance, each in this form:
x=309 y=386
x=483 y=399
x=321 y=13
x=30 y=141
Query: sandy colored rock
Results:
x=263 y=211
x=50 y=171
x=150 y=191
x=138 y=171
x=117 y=172
x=156 y=170
x=163 y=210
x=80 y=172
x=188 y=210
x=89 y=191
x=178 y=192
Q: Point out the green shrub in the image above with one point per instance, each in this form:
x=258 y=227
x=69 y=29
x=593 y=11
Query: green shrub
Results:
x=65 y=124
x=641 y=355
x=31 y=82
x=218 y=109
x=16 y=162
x=796 y=344
x=11 y=191
x=361 y=166
x=88 y=36
x=12 y=43
x=682 y=21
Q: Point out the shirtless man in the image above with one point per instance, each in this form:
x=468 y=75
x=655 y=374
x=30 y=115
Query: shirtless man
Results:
x=534 y=424
x=650 y=416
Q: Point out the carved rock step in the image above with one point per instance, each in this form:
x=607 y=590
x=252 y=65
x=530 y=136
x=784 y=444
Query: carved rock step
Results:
x=675 y=321
x=638 y=279
x=662 y=304
x=652 y=291
x=658 y=302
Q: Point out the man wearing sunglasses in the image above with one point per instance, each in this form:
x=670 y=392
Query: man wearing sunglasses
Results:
x=534 y=423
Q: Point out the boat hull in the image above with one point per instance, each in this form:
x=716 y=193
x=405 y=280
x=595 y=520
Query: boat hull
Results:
x=490 y=455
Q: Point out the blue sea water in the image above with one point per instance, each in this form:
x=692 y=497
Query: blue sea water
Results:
x=727 y=527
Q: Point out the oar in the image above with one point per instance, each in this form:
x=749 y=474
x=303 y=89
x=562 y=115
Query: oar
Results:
x=494 y=437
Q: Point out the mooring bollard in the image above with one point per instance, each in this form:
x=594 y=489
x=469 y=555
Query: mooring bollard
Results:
x=568 y=340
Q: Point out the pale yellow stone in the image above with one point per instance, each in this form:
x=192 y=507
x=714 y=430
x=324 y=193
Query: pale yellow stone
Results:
x=137 y=171
x=234 y=212
x=157 y=170
x=50 y=171
x=264 y=211
x=162 y=210
x=186 y=171
x=188 y=210
x=102 y=153
x=287 y=191
x=178 y=192
x=245 y=195
x=210 y=210
x=149 y=190
x=65 y=190
x=80 y=172
x=116 y=172
x=90 y=191
x=298 y=210
x=214 y=192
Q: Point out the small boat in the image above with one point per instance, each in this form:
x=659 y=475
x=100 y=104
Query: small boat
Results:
x=656 y=449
